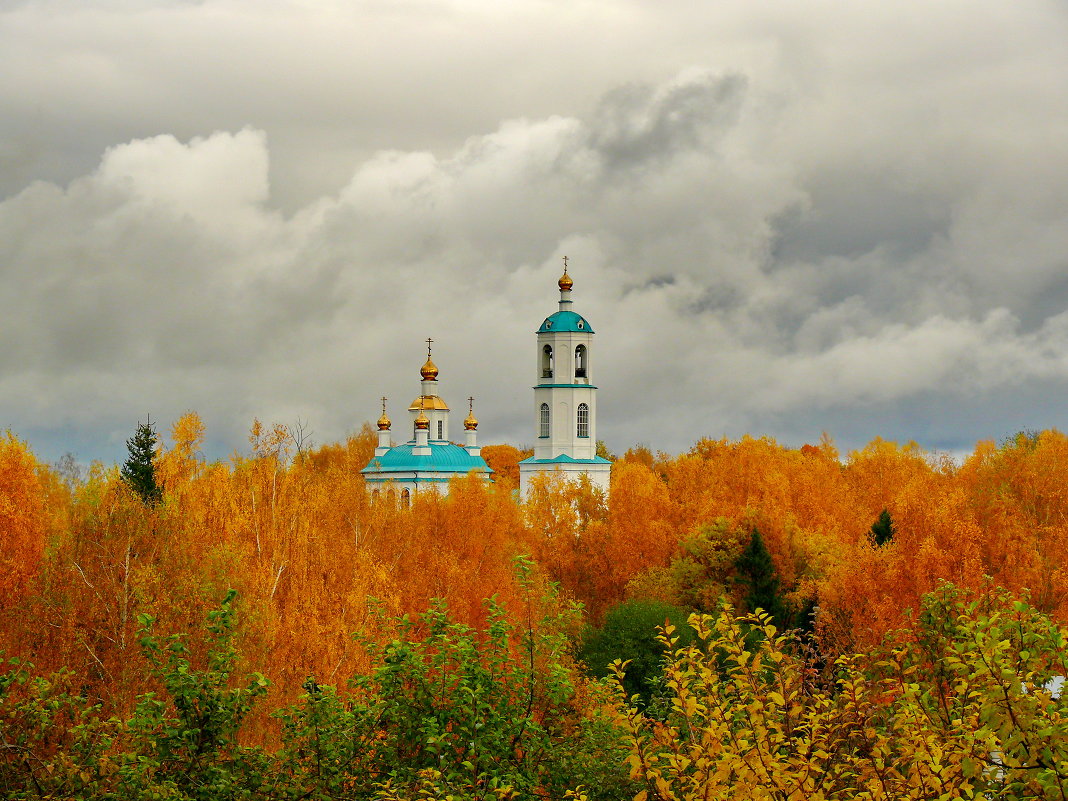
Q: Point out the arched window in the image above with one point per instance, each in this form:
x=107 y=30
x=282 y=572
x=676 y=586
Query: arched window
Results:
x=547 y=362
x=580 y=361
x=583 y=420
x=544 y=420
x=406 y=498
x=374 y=495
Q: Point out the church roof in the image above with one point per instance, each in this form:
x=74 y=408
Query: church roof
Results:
x=444 y=457
x=563 y=459
x=565 y=321
x=428 y=402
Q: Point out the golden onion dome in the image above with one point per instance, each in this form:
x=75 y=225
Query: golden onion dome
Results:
x=422 y=422
x=565 y=283
x=470 y=423
x=428 y=402
x=429 y=371
x=383 y=423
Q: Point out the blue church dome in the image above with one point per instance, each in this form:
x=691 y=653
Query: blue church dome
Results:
x=565 y=321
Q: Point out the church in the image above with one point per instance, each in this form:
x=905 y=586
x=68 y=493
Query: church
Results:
x=428 y=459
x=565 y=419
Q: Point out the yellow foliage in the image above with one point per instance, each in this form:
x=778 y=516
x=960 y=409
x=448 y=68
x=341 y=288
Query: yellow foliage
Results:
x=296 y=533
x=22 y=521
x=749 y=718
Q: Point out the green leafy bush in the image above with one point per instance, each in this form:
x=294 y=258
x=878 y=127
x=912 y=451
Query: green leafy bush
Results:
x=449 y=712
x=630 y=634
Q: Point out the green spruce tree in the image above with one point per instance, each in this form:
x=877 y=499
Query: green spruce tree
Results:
x=139 y=471
x=882 y=530
x=757 y=571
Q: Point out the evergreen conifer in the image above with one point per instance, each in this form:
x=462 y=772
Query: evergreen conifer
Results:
x=882 y=530
x=139 y=471
x=757 y=570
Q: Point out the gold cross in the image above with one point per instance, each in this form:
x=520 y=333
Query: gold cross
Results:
x=471 y=405
x=428 y=341
x=565 y=264
x=383 y=404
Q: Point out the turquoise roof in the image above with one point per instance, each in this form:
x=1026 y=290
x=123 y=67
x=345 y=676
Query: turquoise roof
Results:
x=565 y=321
x=562 y=459
x=444 y=457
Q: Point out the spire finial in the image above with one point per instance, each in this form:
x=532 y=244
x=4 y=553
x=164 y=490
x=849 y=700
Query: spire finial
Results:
x=383 y=421
x=421 y=420
x=429 y=371
x=470 y=423
x=565 y=283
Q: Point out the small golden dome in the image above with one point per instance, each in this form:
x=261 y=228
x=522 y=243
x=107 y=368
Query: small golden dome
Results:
x=565 y=283
x=470 y=423
x=383 y=423
x=429 y=371
x=422 y=422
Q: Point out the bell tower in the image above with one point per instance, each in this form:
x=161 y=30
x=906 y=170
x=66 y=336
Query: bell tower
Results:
x=565 y=397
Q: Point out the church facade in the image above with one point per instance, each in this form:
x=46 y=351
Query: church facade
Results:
x=565 y=419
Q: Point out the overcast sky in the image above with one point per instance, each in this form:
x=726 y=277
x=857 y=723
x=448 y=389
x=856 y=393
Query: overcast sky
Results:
x=782 y=218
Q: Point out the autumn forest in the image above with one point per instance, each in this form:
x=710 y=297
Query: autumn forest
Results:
x=264 y=628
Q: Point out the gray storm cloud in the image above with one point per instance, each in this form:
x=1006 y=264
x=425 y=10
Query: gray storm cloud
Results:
x=811 y=235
